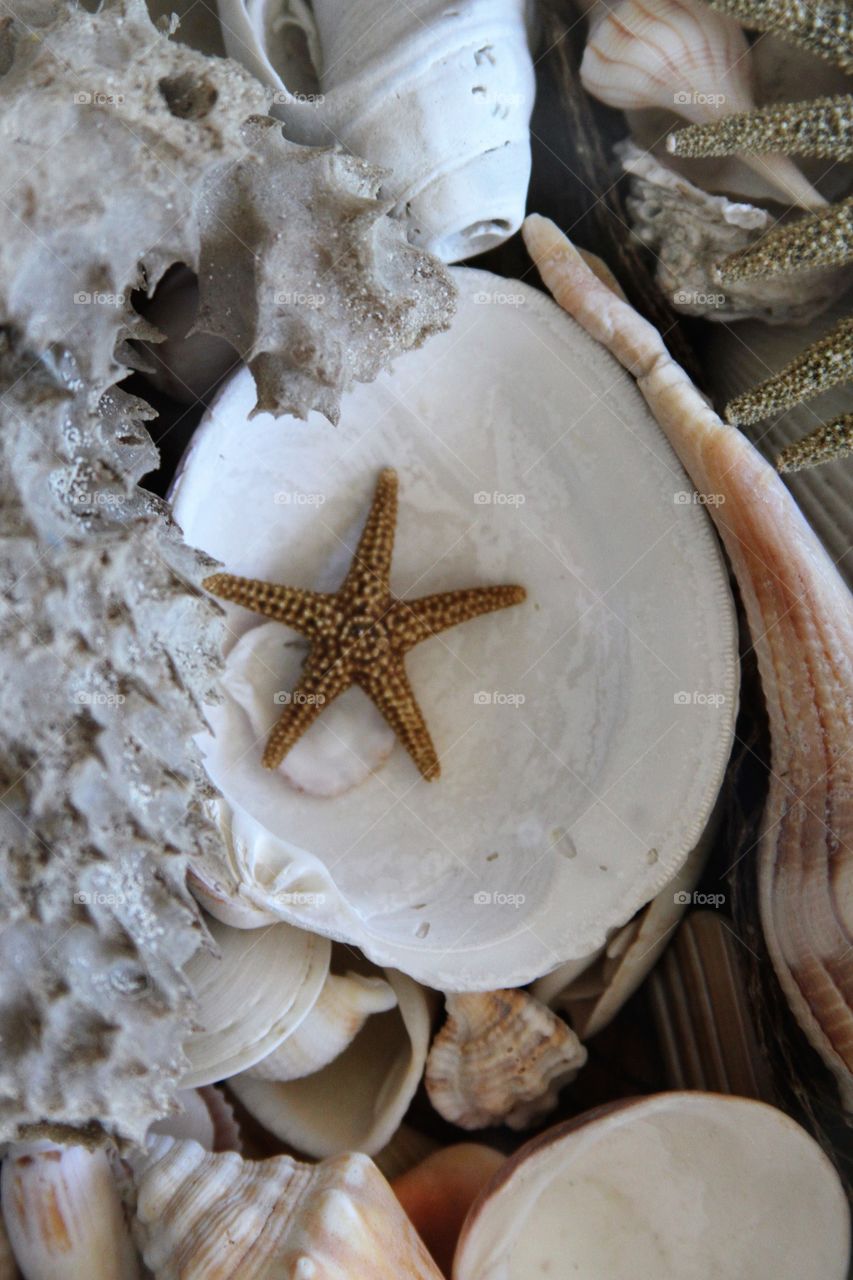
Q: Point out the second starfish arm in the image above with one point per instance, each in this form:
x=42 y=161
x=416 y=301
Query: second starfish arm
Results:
x=371 y=565
x=417 y=620
x=316 y=688
x=392 y=694
x=305 y=611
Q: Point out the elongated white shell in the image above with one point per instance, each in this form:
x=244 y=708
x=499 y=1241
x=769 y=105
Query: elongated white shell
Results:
x=216 y=1217
x=682 y=56
x=500 y=1058
x=584 y=734
x=256 y=992
x=357 y=1102
x=63 y=1214
x=437 y=95
x=678 y=1184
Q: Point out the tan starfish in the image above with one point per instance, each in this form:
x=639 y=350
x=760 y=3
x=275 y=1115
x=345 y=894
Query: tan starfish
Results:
x=361 y=634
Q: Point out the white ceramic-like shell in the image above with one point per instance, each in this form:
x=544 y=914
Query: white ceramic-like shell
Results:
x=341 y=1010
x=63 y=1214
x=684 y=57
x=215 y=1217
x=252 y=995
x=801 y=618
x=357 y=1102
x=516 y=440
x=500 y=1058
x=437 y=95
x=649 y=1187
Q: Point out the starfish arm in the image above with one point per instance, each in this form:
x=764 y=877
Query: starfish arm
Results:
x=390 y=691
x=307 y=612
x=415 y=620
x=316 y=688
x=371 y=565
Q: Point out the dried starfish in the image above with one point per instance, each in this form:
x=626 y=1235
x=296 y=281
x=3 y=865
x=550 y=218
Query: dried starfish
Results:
x=361 y=633
x=821 y=26
x=822 y=127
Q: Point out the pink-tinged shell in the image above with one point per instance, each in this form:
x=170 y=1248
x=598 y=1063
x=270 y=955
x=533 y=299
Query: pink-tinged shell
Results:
x=500 y=1058
x=64 y=1216
x=217 y=1217
x=800 y=617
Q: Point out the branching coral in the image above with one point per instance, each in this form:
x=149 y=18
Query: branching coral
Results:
x=123 y=154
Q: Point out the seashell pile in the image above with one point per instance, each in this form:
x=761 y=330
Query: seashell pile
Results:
x=367 y=799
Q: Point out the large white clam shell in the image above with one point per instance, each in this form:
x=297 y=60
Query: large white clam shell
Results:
x=584 y=734
x=437 y=95
x=681 y=1185
x=357 y=1101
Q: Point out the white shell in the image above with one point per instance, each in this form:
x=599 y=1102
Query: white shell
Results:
x=63 y=1214
x=677 y=1185
x=217 y=1217
x=357 y=1102
x=341 y=749
x=252 y=995
x=342 y=1008
x=690 y=232
x=517 y=440
x=500 y=1058
x=206 y=1116
x=438 y=95
x=681 y=56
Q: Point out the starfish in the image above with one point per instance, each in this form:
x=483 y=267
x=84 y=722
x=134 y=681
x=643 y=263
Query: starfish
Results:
x=360 y=634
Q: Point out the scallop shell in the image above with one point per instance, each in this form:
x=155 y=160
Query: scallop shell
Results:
x=493 y=876
x=800 y=616
x=251 y=996
x=439 y=97
x=213 y=1217
x=500 y=1058
x=342 y=1008
x=357 y=1102
x=677 y=1184
x=63 y=1214
x=682 y=56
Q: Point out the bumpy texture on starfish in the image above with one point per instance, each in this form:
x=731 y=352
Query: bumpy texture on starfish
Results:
x=823 y=127
x=361 y=634
x=823 y=27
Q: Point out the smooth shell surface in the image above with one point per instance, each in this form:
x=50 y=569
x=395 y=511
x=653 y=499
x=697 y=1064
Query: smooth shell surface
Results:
x=687 y=1185
x=583 y=735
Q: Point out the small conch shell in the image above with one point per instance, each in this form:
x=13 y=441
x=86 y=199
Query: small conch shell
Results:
x=681 y=56
x=64 y=1216
x=343 y=1007
x=251 y=996
x=500 y=1058
x=214 y=1217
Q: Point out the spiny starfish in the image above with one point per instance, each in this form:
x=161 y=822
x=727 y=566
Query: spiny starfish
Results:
x=361 y=633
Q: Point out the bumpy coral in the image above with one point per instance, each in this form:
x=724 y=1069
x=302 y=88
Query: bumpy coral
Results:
x=123 y=154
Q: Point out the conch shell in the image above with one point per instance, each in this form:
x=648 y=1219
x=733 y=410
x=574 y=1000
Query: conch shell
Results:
x=683 y=57
x=214 y=1217
x=438 y=96
x=800 y=616
x=63 y=1214
x=500 y=1058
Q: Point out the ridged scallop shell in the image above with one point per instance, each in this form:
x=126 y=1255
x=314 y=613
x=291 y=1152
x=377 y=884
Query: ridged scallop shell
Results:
x=500 y=1058
x=682 y=56
x=800 y=616
x=357 y=1102
x=216 y=1217
x=63 y=1214
x=342 y=1008
x=251 y=996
